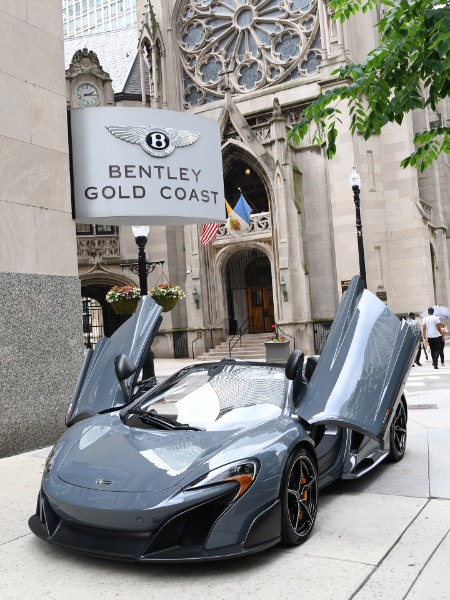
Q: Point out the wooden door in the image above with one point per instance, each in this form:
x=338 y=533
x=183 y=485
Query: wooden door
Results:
x=260 y=309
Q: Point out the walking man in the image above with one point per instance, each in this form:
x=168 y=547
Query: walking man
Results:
x=411 y=320
x=432 y=333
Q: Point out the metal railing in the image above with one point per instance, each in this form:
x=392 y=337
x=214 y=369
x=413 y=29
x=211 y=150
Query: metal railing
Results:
x=204 y=334
x=246 y=325
x=278 y=330
x=320 y=330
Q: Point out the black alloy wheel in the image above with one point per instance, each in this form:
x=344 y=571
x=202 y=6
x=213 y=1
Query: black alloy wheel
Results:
x=299 y=497
x=398 y=433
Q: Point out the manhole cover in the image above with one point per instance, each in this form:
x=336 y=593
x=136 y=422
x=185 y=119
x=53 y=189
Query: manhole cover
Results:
x=422 y=406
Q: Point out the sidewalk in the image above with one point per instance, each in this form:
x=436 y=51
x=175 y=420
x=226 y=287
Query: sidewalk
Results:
x=164 y=367
x=384 y=536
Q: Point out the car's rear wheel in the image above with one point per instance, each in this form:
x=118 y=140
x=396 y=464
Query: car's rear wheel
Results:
x=398 y=433
x=299 y=497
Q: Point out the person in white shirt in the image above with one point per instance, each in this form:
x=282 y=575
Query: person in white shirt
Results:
x=432 y=334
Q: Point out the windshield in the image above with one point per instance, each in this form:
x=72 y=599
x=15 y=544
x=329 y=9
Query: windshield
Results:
x=220 y=396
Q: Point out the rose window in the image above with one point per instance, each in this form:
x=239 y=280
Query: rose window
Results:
x=246 y=45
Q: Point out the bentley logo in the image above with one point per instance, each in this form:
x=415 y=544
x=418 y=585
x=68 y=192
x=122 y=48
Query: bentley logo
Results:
x=156 y=141
x=103 y=482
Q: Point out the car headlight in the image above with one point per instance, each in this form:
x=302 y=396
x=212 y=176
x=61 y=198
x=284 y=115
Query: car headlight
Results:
x=49 y=462
x=242 y=472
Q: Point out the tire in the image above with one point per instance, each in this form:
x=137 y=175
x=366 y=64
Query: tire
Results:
x=299 y=496
x=398 y=433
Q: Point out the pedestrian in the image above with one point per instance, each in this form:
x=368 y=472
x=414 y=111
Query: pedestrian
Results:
x=411 y=320
x=441 y=350
x=432 y=333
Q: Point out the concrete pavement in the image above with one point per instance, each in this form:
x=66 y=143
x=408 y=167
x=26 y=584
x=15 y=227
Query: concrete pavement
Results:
x=384 y=536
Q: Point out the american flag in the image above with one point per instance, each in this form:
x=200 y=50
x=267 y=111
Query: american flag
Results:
x=208 y=233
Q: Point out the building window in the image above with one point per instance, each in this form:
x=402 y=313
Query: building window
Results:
x=83 y=229
x=106 y=229
x=262 y=43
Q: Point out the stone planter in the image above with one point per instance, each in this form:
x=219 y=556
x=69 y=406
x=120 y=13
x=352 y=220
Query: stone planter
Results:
x=277 y=352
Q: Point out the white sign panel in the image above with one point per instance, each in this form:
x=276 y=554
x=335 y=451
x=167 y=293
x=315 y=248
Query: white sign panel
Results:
x=144 y=166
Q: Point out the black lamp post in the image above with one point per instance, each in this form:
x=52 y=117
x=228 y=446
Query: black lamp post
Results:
x=355 y=182
x=140 y=233
x=142 y=268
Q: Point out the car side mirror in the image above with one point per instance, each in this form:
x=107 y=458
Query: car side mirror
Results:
x=124 y=367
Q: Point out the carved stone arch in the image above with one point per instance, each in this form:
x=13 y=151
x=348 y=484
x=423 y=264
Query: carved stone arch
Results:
x=104 y=279
x=99 y=318
x=226 y=253
x=234 y=154
x=222 y=265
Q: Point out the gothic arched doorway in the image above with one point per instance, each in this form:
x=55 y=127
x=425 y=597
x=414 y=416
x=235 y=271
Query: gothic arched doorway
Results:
x=249 y=292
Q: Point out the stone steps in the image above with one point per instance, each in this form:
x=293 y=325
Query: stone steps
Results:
x=252 y=349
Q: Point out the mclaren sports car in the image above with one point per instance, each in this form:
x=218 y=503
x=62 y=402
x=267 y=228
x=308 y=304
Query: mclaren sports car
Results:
x=227 y=458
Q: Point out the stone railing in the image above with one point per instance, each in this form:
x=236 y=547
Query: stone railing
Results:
x=426 y=208
x=104 y=246
x=260 y=224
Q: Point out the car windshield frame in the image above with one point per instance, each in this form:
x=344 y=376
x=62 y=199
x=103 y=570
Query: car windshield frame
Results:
x=219 y=396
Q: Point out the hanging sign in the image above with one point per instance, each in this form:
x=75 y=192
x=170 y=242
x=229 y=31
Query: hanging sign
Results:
x=145 y=166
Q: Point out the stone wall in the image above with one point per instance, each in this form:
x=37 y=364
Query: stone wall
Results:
x=41 y=347
x=41 y=355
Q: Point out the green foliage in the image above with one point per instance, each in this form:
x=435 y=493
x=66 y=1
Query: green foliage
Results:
x=410 y=69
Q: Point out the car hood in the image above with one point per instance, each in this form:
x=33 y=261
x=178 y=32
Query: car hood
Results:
x=111 y=456
x=98 y=388
x=363 y=366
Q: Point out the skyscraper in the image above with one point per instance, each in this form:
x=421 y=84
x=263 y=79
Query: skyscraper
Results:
x=81 y=17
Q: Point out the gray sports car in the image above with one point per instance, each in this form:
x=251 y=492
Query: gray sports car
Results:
x=222 y=459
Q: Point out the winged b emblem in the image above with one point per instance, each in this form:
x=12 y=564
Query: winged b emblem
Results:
x=156 y=141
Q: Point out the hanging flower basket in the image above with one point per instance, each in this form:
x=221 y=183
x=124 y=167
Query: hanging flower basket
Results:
x=166 y=295
x=124 y=307
x=167 y=304
x=124 y=300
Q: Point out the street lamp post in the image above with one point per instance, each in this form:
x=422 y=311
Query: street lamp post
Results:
x=142 y=268
x=355 y=182
x=140 y=234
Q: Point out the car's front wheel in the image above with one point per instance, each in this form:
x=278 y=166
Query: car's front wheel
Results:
x=299 y=497
x=398 y=433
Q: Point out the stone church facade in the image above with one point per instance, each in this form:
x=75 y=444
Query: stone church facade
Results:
x=253 y=66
